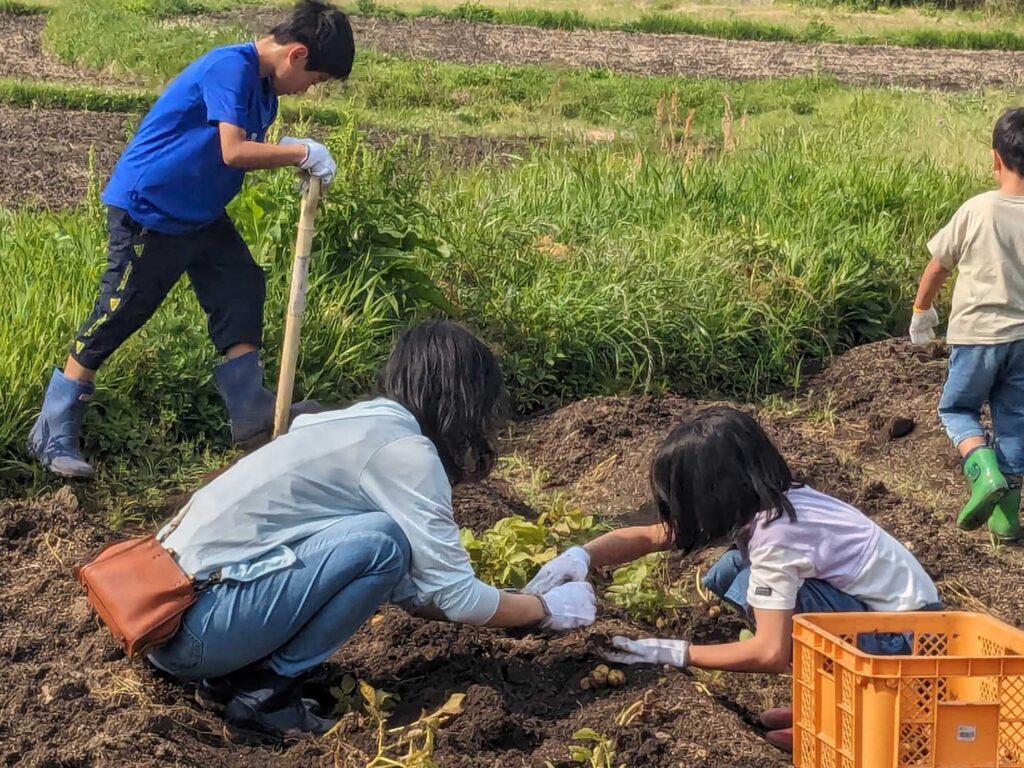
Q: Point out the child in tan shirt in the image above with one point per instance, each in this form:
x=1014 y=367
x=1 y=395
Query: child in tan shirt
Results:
x=984 y=242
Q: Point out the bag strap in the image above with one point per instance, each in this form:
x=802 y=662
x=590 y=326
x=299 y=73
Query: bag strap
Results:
x=210 y=580
x=175 y=521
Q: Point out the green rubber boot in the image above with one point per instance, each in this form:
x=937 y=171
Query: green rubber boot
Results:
x=1004 y=525
x=988 y=486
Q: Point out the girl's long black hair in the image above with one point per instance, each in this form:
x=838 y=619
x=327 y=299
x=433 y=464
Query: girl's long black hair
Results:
x=712 y=476
x=452 y=383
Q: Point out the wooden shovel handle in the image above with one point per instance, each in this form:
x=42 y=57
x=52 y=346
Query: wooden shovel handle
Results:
x=296 y=306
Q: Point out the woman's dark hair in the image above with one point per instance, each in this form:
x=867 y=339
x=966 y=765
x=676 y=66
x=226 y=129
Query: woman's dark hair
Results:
x=712 y=476
x=326 y=33
x=452 y=384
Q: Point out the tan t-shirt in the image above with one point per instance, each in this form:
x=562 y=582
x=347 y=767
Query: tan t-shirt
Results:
x=984 y=241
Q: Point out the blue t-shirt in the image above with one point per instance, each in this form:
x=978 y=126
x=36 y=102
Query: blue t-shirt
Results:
x=171 y=177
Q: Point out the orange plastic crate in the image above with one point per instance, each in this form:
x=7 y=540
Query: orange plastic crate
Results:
x=957 y=702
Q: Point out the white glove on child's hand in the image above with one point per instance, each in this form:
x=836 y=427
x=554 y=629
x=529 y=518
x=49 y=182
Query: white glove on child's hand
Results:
x=569 y=606
x=318 y=162
x=650 y=650
x=922 y=325
x=571 y=565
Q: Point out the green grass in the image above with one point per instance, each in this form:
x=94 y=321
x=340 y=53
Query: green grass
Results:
x=42 y=95
x=714 y=262
x=423 y=96
x=590 y=269
x=18 y=8
x=136 y=38
x=969 y=24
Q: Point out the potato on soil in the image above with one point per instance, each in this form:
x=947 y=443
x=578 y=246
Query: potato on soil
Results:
x=616 y=678
x=600 y=674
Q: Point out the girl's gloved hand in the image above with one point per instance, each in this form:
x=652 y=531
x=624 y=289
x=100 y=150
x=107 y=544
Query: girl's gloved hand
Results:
x=571 y=565
x=651 y=650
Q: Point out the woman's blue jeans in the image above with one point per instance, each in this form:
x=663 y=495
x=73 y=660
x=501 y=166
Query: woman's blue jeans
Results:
x=297 y=617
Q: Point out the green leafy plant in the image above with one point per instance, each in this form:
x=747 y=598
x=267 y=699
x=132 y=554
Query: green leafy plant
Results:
x=643 y=590
x=597 y=752
x=510 y=552
x=474 y=11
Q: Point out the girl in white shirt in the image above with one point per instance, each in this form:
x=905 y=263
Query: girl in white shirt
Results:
x=719 y=479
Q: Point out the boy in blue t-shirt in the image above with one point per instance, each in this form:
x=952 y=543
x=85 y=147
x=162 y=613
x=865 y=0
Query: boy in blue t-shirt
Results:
x=166 y=218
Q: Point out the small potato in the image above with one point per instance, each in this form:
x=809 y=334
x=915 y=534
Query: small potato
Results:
x=714 y=611
x=616 y=678
x=586 y=684
x=600 y=673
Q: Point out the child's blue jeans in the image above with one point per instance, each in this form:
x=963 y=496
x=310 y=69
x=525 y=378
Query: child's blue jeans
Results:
x=295 y=618
x=730 y=577
x=992 y=373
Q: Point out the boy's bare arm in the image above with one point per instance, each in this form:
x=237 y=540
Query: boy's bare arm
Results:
x=239 y=152
x=931 y=283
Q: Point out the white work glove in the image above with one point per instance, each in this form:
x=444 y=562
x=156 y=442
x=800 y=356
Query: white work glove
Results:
x=571 y=565
x=922 y=325
x=318 y=162
x=650 y=650
x=569 y=606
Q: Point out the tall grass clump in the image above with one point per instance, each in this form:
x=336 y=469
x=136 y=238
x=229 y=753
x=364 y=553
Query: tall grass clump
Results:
x=620 y=269
x=157 y=391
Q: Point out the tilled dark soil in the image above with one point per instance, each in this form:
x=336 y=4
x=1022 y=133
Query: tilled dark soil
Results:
x=71 y=699
x=695 y=56
x=46 y=154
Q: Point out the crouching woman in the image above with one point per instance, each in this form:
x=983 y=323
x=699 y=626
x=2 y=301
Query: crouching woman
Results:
x=305 y=538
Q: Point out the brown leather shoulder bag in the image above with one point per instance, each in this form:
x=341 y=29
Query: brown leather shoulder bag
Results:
x=139 y=590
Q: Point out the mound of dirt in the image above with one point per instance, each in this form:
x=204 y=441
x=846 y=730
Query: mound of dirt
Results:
x=481 y=505
x=73 y=699
x=524 y=701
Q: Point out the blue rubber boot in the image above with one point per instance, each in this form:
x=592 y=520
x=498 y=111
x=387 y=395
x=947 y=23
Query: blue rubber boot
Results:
x=54 y=439
x=250 y=404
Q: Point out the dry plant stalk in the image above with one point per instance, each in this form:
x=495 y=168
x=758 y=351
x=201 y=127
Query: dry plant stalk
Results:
x=673 y=118
x=659 y=121
x=727 y=141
